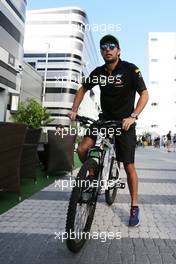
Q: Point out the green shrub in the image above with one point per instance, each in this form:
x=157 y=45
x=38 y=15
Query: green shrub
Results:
x=32 y=113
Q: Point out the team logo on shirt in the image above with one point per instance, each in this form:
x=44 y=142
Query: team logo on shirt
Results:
x=137 y=71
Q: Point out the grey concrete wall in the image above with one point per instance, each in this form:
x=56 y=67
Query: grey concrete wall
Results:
x=31 y=85
x=12 y=23
x=2 y=104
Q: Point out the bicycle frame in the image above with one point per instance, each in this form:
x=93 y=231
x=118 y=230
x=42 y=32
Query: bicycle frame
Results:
x=105 y=150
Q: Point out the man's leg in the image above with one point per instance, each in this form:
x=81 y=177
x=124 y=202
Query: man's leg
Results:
x=88 y=142
x=169 y=146
x=132 y=180
x=84 y=146
x=133 y=188
x=82 y=150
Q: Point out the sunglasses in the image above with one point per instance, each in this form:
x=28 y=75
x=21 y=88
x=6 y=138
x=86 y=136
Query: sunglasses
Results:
x=108 y=45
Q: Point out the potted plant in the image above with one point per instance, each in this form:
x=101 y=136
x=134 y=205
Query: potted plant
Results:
x=32 y=113
x=35 y=116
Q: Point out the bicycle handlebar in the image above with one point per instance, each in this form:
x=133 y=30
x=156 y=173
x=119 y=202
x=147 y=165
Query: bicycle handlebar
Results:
x=87 y=120
x=84 y=119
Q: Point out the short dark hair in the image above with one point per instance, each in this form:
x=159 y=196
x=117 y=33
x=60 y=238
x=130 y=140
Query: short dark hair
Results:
x=109 y=39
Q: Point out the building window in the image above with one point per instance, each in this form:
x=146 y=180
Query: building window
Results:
x=154 y=60
x=154 y=104
x=33 y=64
x=14 y=102
x=154 y=39
x=154 y=82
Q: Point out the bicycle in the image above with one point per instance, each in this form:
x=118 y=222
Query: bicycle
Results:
x=101 y=159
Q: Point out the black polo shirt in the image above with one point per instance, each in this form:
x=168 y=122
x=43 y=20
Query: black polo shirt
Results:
x=118 y=90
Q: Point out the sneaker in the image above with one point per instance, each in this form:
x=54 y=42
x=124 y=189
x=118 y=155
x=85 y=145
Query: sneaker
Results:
x=134 y=216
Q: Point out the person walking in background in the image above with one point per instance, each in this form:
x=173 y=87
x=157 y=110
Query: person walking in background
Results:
x=174 y=142
x=157 y=142
x=143 y=141
x=164 y=141
x=168 y=143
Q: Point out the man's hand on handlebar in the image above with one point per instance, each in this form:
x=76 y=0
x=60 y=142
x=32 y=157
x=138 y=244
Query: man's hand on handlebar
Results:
x=72 y=115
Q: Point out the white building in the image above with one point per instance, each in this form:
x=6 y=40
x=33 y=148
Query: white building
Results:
x=160 y=114
x=12 y=19
x=58 y=46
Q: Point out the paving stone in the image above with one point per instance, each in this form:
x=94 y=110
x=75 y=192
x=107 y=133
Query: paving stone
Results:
x=27 y=231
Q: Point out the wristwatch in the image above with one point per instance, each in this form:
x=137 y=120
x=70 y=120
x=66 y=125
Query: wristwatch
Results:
x=134 y=115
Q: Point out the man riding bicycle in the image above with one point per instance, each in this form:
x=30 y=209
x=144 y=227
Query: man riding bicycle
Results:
x=118 y=81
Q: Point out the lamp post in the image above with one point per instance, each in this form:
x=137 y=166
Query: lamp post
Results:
x=45 y=74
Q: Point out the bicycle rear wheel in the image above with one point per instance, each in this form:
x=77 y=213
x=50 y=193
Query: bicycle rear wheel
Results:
x=111 y=192
x=81 y=209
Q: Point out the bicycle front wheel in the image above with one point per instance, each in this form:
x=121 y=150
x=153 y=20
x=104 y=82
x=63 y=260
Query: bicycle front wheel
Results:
x=111 y=192
x=81 y=209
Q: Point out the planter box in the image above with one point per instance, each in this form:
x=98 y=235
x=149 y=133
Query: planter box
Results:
x=59 y=153
x=11 y=142
x=29 y=156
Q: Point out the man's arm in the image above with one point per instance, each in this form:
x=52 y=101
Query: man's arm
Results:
x=77 y=101
x=143 y=99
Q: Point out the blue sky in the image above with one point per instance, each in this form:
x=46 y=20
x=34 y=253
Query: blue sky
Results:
x=136 y=19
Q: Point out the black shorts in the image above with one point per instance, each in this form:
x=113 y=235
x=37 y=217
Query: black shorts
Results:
x=125 y=142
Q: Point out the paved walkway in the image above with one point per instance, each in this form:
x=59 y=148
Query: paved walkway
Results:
x=27 y=231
